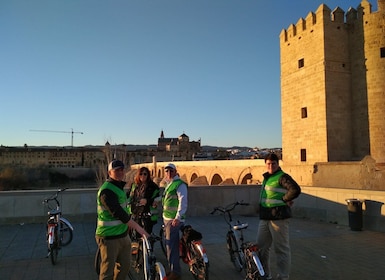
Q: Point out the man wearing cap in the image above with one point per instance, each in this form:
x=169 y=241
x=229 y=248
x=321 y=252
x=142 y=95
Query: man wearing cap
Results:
x=113 y=222
x=174 y=202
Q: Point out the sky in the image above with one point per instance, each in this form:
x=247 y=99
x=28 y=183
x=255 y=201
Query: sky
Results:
x=122 y=71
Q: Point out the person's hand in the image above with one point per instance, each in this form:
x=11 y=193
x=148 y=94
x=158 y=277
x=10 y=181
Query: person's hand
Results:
x=290 y=203
x=142 y=202
x=175 y=222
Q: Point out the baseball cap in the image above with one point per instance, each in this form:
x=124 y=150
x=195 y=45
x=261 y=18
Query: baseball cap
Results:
x=115 y=164
x=170 y=166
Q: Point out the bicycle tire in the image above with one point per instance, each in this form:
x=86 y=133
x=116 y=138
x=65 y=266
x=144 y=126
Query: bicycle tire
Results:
x=54 y=248
x=66 y=233
x=199 y=267
x=254 y=268
x=160 y=271
x=234 y=251
x=163 y=241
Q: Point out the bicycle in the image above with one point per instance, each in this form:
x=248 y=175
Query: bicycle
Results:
x=192 y=251
x=59 y=229
x=244 y=255
x=144 y=261
x=143 y=256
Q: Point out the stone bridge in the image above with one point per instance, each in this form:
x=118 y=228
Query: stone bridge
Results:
x=203 y=173
x=358 y=175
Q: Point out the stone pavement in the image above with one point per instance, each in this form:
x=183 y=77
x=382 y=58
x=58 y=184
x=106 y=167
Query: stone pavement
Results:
x=319 y=251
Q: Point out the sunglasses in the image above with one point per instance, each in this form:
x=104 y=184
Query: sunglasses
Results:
x=145 y=174
x=169 y=170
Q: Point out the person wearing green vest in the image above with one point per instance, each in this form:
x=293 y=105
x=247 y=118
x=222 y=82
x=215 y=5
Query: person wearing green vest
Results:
x=174 y=202
x=112 y=225
x=277 y=194
x=143 y=199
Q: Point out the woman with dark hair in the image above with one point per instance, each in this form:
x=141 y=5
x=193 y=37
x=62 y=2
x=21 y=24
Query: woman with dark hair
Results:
x=143 y=198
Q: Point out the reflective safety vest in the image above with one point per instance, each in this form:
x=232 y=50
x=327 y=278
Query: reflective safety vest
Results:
x=272 y=192
x=153 y=211
x=108 y=225
x=170 y=200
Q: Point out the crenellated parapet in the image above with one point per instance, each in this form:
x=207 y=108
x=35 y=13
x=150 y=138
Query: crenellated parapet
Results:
x=324 y=14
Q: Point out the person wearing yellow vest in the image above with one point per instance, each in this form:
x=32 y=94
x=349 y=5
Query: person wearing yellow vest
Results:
x=174 y=200
x=277 y=194
x=112 y=226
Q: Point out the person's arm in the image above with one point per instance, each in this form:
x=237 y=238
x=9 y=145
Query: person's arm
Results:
x=134 y=225
x=182 y=197
x=293 y=189
x=109 y=199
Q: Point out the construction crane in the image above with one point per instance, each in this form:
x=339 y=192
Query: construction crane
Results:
x=58 y=131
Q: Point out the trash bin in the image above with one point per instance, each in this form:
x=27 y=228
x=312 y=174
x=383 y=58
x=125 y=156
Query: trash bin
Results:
x=355 y=213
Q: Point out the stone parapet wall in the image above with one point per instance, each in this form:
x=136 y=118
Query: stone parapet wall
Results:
x=315 y=203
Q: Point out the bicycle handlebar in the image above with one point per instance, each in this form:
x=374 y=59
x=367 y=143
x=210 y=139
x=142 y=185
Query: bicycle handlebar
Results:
x=54 y=196
x=229 y=207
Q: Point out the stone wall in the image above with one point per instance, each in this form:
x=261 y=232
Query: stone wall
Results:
x=315 y=203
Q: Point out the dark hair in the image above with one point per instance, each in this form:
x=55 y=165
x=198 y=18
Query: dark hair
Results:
x=272 y=157
x=141 y=170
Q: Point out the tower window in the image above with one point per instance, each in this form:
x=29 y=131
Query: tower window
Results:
x=301 y=63
x=303 y=154
x=304 y=112
x=382 y=52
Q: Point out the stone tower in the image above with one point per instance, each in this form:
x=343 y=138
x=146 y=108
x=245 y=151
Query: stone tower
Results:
x=333 y=85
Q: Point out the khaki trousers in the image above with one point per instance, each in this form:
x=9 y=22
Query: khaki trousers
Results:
x=275 y=234
x=115 y=258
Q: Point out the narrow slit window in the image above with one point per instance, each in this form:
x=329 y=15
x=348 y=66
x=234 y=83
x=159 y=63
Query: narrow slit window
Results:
x=303 y=154
x=304 y=112
x=382 y=52
x=301 y=63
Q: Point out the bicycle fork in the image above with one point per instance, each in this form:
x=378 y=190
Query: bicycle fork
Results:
x=51 y=233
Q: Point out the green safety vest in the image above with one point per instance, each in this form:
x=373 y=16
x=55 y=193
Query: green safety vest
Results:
x=272 y=192
x=108 y=225
x=170 y=200
x=154 y=211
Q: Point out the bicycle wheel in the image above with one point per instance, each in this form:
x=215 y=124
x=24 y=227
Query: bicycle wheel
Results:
x=160 y=271
x=254 y=268
x=199 y=265
x=163 y=241
x=66 y=233
x=234 y=251
x=54 y=249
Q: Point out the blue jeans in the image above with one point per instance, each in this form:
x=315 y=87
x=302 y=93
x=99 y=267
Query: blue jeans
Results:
x=172 y=238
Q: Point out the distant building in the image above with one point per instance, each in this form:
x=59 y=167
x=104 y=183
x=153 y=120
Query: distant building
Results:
x=180 y=145
x=51 y=157
x=168 y=149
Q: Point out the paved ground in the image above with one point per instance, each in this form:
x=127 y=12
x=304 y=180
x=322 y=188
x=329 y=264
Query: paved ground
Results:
x=319 y=251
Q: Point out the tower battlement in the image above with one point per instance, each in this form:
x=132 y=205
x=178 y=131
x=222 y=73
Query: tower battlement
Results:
x=324 y=15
